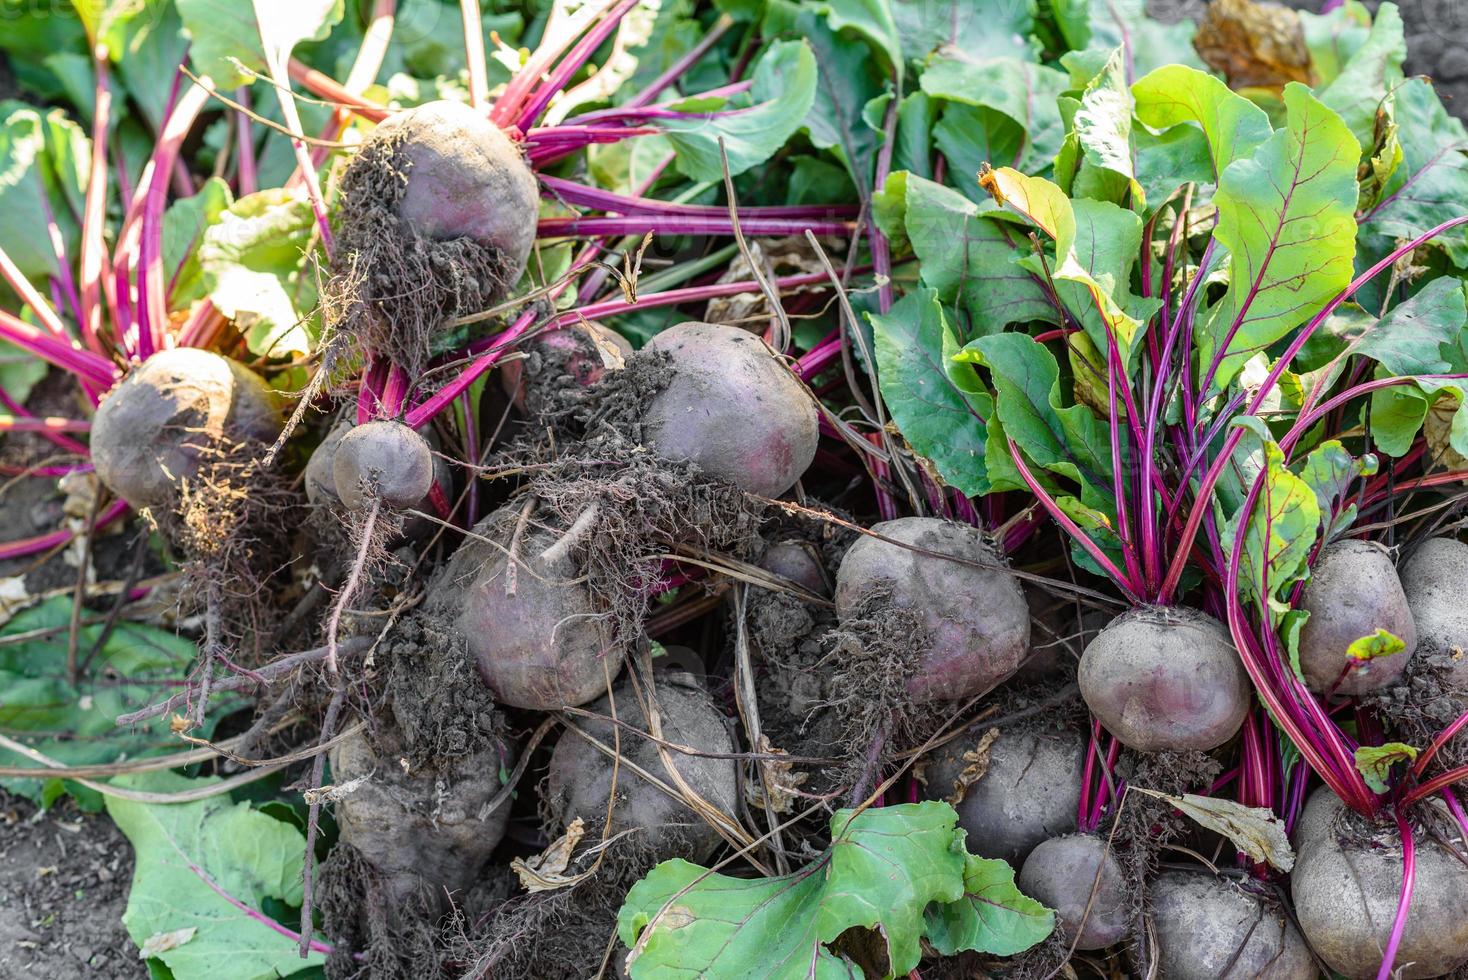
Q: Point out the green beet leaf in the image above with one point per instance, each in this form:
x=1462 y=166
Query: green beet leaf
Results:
x=940 y=419
x=1286 y=214
x=187 y=854
x=228 y=34
x=78 y=725
x=1374 y=763
x=255 y=269
x=783 y=91
x=1430 y=185
x=902 y=869
x=1281 y=528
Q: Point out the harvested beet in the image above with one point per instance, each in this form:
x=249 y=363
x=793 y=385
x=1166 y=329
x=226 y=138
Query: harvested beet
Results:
x=1061 y=873
x=580 y=352
x=799 y=562
x=1353 y=591
x=384 y=461
x=1433 y=582
x=425 y=831
x=319 y=480
x=438 y=217
x=533 y=626
x=171 y=415
x=973 y=610
x=732 y=407
x=1166 y=679
x=1346 y=886
x=580 y=781
x=1029 y=792
x=1211 y=928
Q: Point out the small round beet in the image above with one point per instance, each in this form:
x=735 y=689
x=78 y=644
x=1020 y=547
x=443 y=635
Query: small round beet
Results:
x=1433 y=581
x=1061 y=872
x=320 y=480
x=177 y=408
x=464 y=179
x=975 y=612
x=582 y=351
x=383 y=459
x=799 y=562
x=580 y=776
x=1353 y=591
x=1165 y=679
x=732 y=407
x=1029 y=793
x=1210 y=928
x=1346 y=886
x=538 y=636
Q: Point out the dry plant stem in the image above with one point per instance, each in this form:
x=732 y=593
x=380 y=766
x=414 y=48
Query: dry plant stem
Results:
x=351 y=586
x=351 y=645
x=78 y=602
x=579 y=529
x=782 y=332
x=313 y=818
x=747 y=703
x=114 y=615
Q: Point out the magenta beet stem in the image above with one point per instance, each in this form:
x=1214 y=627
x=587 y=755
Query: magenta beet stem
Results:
x=45 y=542
x=1409 y=876
x=594 y=197
x=665 y=225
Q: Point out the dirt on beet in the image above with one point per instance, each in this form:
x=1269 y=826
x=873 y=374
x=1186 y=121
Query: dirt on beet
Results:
x=64 y=877
x=393 y=289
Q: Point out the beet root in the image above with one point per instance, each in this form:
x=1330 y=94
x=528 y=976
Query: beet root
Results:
x=1432 y=580
x=731 y=407
x=1165 y=679
x=320 y=481
x=580 y=352
x=533 y=626
x=438 y=216
x=425 y=831
x=385 y=461
x=1029 y=793
x=1209 y=928
x=1353 y=591
x=974 y=612
x=172 y=414
x=1346 y=885
x=799 y=562
x=580 y=780
x=1061 y=872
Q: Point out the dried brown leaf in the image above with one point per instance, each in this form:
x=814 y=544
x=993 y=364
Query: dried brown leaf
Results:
x=1255 y=831
x=1254 y=45
x=546 y=871
x=782 y=778
x=976 y=764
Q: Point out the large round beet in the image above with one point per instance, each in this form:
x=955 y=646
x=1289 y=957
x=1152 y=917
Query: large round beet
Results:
x=382 y=459
x=176 y=409
x=538 y=636
x=1433 y=580
x=1346 y=885
x=1210 y=928
x=1061 y=873
x=464 y=179
x=1029 y=792
x=732 y=407
x=1165 y=679
x=1353 y=591
x=974 y=611
x=421 y=828
x=580 y=780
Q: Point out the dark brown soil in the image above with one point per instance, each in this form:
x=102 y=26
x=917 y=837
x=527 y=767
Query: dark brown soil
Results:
x=64 y=878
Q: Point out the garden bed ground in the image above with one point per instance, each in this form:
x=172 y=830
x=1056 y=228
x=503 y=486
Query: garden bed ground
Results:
x=63 y=887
